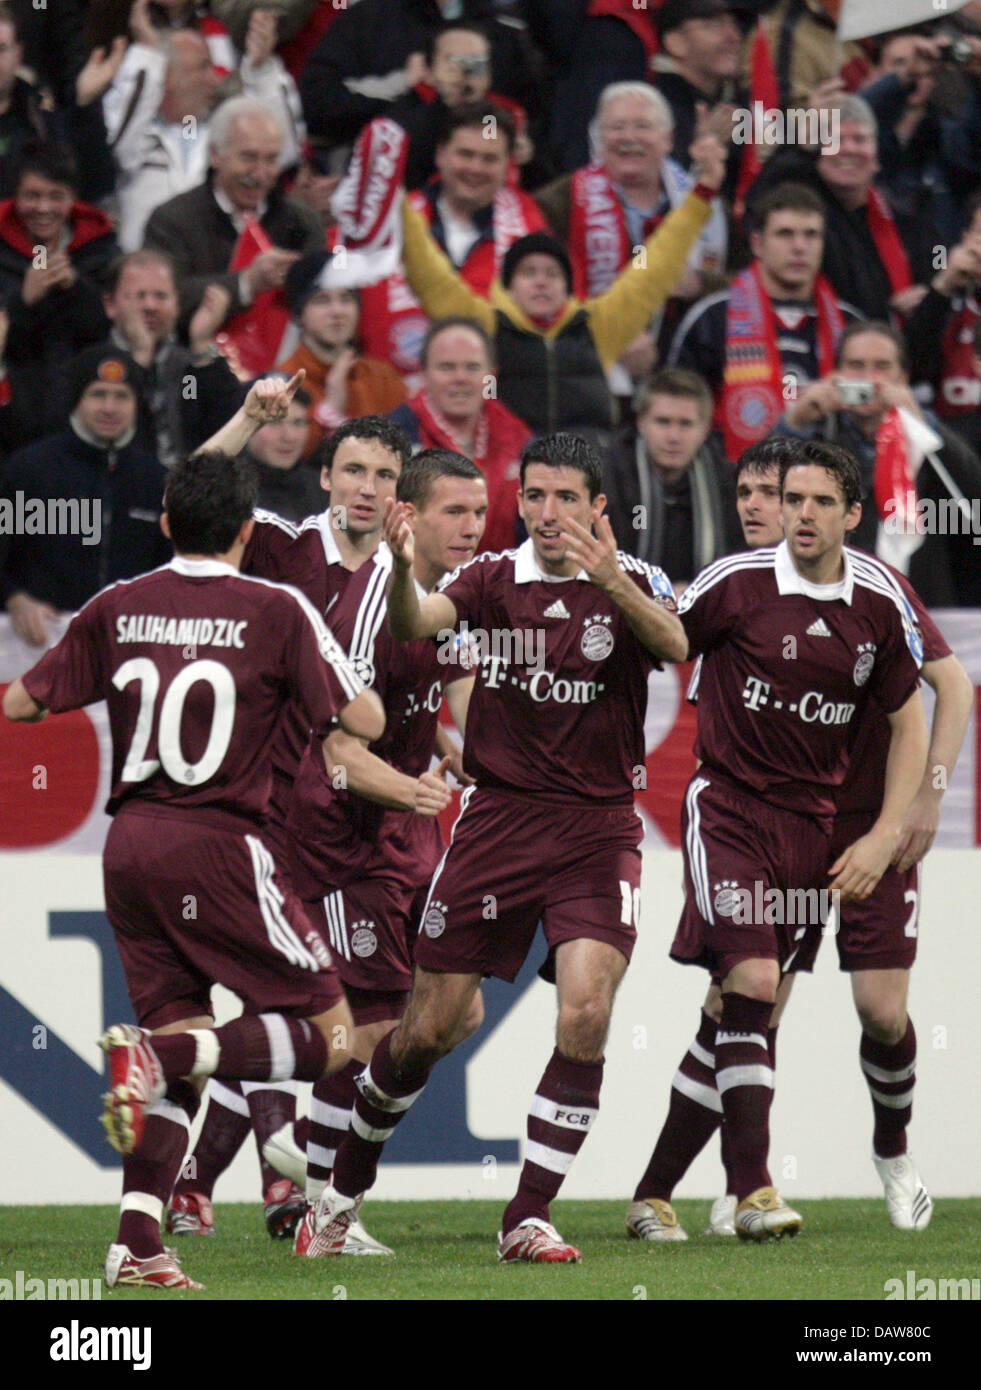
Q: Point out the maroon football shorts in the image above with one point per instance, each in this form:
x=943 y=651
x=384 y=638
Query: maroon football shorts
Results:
x=879 y=932
x=193 y=905
x=370 y=927
x=514 y=861
x=753 y=879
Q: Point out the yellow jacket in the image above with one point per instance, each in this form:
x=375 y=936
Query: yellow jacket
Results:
x=615 y=317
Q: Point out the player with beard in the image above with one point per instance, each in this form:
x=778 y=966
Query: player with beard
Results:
x=548 y=833
x=197 y=664
x=360 y=465
x=362 y=868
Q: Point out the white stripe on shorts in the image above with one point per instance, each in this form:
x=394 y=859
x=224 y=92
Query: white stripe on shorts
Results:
x=697 y=862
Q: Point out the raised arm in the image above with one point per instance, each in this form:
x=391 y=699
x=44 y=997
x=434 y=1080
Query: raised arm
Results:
x=410 y=617
x=268 y=400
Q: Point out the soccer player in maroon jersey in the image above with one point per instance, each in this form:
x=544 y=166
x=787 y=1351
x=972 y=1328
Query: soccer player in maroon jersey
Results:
x=567 y=632
x=876 y=938
x=796 y=639
x=360 y=464
x=197 y=664
x=363 y=869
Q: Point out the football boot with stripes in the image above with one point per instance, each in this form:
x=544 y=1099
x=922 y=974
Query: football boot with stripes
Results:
x=155 y=1272
x=190 y=1214
x=907 y=1200
x=536 y=1242
x=764 y=1215
x=654 y=1219
x=136 y=1082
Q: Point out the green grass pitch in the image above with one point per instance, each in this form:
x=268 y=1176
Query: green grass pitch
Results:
x=446 y=1250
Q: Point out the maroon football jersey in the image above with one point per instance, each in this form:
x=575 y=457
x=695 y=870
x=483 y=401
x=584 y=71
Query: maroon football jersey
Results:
x=558 y=707
x=196 y=663
x=307 y=557
x=864 y=787
x=335 y=836
x=790 y=668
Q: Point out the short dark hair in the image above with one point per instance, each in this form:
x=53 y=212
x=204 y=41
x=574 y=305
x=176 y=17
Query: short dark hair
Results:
x=389 y=435
x=145 y=256
x=885 y=330
x=474 y=114
x=456 y=321
x=418 y=476
x=837 y=461
x=51 y=159
x=675 y=381
x=565 y=451
x=453 y=26
x=207 y=499
x=767 y=455
x=785 y=197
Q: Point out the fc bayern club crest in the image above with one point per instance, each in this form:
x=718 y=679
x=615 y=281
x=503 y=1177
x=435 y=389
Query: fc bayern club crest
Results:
x=434 y=923
x=597 y=639
x=754 y=408
x=865 y=662
x=364 y=942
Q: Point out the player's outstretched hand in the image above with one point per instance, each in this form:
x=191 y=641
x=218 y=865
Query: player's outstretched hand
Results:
x=856 y=872
x=597 y=555
x=432 y=793
x=397 y=532
x=269 y=398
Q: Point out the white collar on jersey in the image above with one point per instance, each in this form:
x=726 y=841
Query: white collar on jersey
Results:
x=526 y=570
x=791 y=581
x=333 y=555
x=201 y=569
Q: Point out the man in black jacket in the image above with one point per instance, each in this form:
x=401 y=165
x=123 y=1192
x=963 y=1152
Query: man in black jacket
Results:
x=670 y=495
x=80 y=509
x=199 y=230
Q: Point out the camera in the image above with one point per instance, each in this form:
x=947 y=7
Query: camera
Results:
x=855 y=392
x=472 y=66
x=957 y=51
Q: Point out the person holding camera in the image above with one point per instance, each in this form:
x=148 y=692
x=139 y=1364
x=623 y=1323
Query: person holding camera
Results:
x=856 y=406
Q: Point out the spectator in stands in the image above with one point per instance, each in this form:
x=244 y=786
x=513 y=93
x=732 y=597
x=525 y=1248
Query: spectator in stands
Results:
x=26 y=115
x=457 y=73
x=553 y=349
x=943 y=564
x=340 y=382
x=185 y=393
x=605 y=210
x=456 y=409
x=55 y=254
x=200 y=229
x=187 y=14
x=877 y=258
x=969 y=426
x=588 y=45
x=157 y=114
x=805 y=53
x=98 y=495
x=670 y=497
x=53 y=45
x=913 y=172
x=286 y=485
x=774 y=329
x=472 y=213
x=940 y=331
x=373 y=53
x=698 y=67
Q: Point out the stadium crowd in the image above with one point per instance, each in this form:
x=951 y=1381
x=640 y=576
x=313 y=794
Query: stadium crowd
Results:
x=456 y=226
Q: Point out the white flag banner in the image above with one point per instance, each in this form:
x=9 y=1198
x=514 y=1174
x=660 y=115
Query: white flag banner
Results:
x=858 y=19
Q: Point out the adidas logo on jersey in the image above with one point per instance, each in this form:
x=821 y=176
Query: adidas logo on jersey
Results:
x=819 y=628
x=557 y=610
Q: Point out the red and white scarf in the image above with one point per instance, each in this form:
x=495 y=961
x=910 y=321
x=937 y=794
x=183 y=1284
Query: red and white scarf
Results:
x=892 y=252
x=599 y=243
x=368 y=205
x=752 y=400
